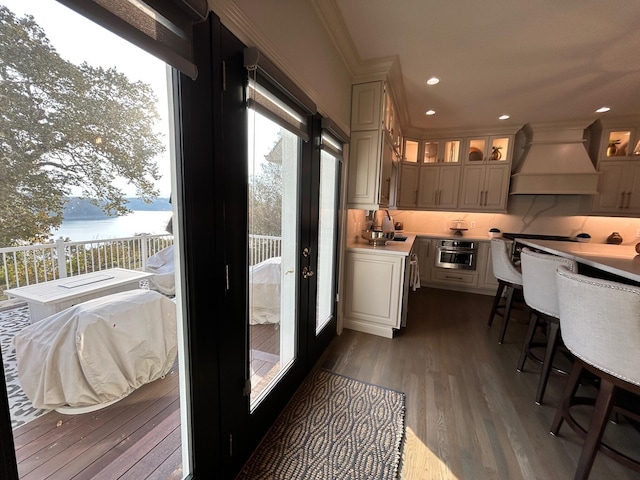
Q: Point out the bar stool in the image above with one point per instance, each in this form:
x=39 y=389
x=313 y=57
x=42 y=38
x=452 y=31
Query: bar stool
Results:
x=540 y=294
x=509 y=278
x=599 y=321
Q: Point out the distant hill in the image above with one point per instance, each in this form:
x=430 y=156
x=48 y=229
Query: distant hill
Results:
x=81 y=209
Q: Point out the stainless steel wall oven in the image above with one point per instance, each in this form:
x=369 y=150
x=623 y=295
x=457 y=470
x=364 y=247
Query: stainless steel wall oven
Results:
x=458 y=254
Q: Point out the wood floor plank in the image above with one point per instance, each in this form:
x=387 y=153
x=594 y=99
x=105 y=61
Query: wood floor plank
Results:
x=470 y=414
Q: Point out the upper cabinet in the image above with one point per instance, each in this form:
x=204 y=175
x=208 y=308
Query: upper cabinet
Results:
x=486 y=173
x=430 y=175
x=619 y=167
x=374 y=148
x=488 y=149
x=465 y=172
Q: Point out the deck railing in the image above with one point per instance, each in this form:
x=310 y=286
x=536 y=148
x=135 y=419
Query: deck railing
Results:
x=30 y=264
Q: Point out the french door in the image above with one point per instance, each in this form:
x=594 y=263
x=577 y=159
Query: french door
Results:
x=262 y=290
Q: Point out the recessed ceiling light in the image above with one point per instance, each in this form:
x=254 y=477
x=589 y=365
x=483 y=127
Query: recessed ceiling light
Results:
x=430 y=112
x=603 y=109
x=433 y=81
x=503 y=117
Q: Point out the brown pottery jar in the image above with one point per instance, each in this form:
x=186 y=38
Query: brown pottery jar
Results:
x=614 y=239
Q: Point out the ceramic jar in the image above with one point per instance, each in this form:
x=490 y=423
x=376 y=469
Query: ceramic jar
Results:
x=614 y=239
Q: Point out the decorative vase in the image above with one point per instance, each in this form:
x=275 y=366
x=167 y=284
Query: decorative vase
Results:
x=496 y=155
x=612 y=150
x=614 y=239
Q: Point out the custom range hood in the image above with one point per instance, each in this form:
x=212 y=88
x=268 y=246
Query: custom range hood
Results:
x=554 y=162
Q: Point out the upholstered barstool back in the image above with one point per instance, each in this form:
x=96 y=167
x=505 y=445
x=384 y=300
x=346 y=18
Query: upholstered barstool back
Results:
x=601 y=326
x=509 y=278
x=539 y=280
x=541 y=295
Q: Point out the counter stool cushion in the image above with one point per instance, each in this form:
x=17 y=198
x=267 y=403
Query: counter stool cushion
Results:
x=541 y=295
x=509 y=281
x=601 y=327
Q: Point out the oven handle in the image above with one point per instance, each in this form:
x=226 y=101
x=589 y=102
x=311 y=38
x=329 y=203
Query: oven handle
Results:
x=457 y=250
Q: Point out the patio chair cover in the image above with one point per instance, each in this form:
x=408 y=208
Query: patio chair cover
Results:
x=264 y=291
x=98 y=351
x=162 y=266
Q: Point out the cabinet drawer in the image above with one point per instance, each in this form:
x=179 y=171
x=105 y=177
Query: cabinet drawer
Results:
x=445 y=275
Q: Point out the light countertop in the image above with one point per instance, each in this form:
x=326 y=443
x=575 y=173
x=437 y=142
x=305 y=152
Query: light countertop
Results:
x=392 y=247
x=621 y=260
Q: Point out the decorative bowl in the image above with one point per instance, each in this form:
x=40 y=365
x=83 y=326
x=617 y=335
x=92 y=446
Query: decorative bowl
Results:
x=377 y=237
x=495 y=234
x=583 y=237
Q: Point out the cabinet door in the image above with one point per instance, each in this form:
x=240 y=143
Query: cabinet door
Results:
x=485 y=267
x=374 y=288
x=386 y=180
x=426 y=252
x=611 y=185
x=366 y=106
x=408 y=186
x=428 y=187
x=496 y=187
x=472 y=186
x=364 y=165
x=632 y=200
x=449 y=186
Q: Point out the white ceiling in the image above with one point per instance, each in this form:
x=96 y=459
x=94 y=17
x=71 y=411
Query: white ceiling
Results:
x=539 y=61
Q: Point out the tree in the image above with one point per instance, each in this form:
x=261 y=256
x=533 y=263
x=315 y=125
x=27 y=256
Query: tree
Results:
x=265 y=195
x=63 y=126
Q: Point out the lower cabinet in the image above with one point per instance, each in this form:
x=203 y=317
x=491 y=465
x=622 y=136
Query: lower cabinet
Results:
x=374 y=292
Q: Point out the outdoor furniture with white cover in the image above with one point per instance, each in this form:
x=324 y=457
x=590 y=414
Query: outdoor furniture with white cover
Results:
x=162 y=266
x=97 y=352
x=264 y=291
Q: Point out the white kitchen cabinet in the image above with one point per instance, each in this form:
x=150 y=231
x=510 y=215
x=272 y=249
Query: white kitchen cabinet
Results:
x=619 y=168
x=425 y=250
x=366 y=106
x=374 y=288
x=441 y=150
x=407 y=196
x=438 y=187
x=618 y=188
x=488 y=149
x=486 y=278
x=485 y=187
x=372 y=157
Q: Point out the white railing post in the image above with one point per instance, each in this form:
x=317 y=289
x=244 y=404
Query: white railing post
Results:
x=144 y=252
x=62 y=264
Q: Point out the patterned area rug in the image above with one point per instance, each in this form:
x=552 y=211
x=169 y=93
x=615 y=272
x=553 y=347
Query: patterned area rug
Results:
x=334 y=428
x=12 y=321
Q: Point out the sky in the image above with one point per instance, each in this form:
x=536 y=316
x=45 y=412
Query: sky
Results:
x=99 y=47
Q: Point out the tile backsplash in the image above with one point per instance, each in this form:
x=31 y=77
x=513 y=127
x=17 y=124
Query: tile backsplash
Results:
x=539 y=214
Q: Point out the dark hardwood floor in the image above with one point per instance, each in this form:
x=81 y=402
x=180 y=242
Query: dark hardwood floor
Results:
x=470 y=414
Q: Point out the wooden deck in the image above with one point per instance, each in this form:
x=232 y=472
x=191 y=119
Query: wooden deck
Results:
x=136 y=438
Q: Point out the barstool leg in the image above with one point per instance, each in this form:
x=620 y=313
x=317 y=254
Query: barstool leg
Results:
x=570 y=390
x=552 y=340
x=507 y=313
x=496 y=302
x=604 y=404
x=533 y=324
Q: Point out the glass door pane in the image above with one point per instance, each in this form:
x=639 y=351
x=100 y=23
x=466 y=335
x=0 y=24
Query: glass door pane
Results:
x=273 y=250
x=327 y=223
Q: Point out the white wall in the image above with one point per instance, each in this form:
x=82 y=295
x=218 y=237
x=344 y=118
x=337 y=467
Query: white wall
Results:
x=291 y=34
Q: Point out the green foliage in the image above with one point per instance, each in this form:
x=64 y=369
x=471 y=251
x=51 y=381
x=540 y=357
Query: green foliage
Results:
x=63 y=126
x=265 y=191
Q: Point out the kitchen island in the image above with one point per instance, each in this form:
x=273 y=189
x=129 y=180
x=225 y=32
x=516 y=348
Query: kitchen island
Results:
x=620 y=261
x=377 y=285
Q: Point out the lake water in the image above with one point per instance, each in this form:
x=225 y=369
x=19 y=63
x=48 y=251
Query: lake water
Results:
x=152 y=222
